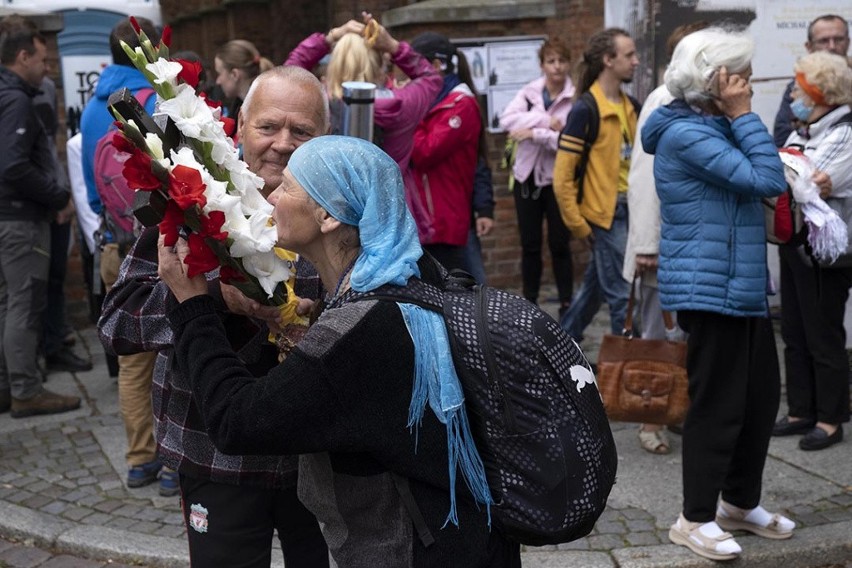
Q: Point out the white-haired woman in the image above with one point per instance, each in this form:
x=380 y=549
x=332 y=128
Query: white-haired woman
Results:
x=714 y=161
x=813 y=298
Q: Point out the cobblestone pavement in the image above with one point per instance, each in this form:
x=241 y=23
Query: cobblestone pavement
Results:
x=63 y=497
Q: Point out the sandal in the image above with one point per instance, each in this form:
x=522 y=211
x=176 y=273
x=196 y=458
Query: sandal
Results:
x=732 y=518
x=721 y=547
x=655 y=442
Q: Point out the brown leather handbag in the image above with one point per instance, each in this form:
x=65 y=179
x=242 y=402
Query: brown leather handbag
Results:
x=643 y=380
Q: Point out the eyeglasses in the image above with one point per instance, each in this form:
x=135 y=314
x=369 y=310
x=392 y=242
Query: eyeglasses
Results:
x=826 y=41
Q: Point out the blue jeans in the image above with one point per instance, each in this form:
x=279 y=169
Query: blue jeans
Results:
x=602 y=281
x=473 y=257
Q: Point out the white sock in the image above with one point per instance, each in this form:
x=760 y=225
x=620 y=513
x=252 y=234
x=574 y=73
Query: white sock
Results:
x=712 y=530
x=759 y=516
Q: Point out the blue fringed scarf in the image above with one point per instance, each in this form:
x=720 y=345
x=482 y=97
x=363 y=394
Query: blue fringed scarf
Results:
x=360 y=185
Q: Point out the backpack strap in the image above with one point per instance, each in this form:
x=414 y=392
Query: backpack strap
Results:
x=144 y=94
x=404 y=490
x=592 y=129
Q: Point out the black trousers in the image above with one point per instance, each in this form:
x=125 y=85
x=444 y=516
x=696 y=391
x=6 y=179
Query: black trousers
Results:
x=734 y=389
x=229 y=525
x=532 y=210
x=812 y=309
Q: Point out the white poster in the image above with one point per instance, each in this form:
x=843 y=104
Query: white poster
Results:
x=80 y=74
x=513 y=63
x=498 y=99
x=477 y=60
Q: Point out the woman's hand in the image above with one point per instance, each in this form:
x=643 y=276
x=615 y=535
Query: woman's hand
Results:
x=734 y=94
x=334 y=35
x=823 y=182
x=646 y=262
x=521 y=134
x=377 y=35
x=556 y=124
x=172 y=271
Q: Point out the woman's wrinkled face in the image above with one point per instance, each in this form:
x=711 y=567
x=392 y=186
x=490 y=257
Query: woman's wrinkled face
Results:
x=226 y=78
x=296 y=214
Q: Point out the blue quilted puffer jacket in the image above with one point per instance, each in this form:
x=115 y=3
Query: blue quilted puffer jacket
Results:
x=711 y=174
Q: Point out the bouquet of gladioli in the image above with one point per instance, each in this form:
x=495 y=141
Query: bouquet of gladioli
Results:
x=210 y=190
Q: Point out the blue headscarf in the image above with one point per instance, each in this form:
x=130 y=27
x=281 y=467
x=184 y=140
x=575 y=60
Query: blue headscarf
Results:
x=358 y=184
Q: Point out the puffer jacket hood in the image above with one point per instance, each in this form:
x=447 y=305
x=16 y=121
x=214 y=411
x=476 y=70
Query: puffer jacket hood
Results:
x=115 y=77
x=665 y=116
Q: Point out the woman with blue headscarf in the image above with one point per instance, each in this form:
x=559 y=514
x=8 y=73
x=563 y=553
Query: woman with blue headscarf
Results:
x=378 y=469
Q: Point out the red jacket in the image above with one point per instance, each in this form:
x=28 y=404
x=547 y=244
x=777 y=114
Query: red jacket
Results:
x=443 y=162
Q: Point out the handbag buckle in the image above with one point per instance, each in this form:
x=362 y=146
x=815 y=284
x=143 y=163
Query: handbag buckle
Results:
x=646 y=397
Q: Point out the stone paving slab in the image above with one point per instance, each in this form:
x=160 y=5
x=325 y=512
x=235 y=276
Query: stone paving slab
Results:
x=62 y=489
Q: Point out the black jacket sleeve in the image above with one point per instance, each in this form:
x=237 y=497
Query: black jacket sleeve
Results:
x=26 y=162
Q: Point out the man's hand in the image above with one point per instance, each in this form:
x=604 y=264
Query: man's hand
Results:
x=484 y=226
x=238 y=303
x=172 y=271
x=734 y=94
x=66 y=213
x=823 y=182
x=646 y=262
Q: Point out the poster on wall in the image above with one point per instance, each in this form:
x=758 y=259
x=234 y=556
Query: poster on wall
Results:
x=80 y=75
x=500 y=67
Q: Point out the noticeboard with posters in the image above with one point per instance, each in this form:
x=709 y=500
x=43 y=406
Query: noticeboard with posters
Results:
x=500 y=67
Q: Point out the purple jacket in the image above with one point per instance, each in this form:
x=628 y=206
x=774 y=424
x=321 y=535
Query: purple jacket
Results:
x=397 y=111
x=537 y=154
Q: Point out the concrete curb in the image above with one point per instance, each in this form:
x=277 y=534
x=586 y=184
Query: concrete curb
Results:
x=810 y=547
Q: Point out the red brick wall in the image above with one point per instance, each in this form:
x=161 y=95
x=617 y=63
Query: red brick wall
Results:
x=276 y=26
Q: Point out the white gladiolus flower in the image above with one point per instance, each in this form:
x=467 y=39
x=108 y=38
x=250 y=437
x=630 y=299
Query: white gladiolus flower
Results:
x=165 y=71
x=155 y=146
x=254 y=202
x=189 y=113
x=268 y=269
x=260 y=236
x=184 y=156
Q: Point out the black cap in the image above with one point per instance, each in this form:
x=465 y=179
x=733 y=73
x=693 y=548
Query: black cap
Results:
x=432 y=45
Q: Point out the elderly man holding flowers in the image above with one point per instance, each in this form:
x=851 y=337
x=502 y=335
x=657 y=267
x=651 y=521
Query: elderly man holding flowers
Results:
x=231 y=504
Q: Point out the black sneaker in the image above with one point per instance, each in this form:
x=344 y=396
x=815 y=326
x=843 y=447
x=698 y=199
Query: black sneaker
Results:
x=5 y=400
x=66 y=360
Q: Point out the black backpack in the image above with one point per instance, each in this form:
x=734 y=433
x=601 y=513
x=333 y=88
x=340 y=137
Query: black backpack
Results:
x=544 y=438
x=592 y=130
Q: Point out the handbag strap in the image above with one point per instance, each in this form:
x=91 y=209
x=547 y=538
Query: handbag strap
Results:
x=631 y=301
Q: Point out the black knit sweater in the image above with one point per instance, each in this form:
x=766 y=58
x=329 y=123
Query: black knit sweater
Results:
x=344 y=390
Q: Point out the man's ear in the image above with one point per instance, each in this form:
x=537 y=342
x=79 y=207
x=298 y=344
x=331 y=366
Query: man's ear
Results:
x=241 y=122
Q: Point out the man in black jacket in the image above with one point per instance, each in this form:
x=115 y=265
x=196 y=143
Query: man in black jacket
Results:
x=30 y=194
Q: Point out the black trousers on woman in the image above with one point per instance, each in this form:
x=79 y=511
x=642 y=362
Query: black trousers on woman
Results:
x=533 y=205
x=734 y=389
x=812 y=309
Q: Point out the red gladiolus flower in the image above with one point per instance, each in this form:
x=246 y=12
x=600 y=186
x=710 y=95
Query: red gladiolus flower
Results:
x=135 y=24
x=212 y=103
x=137 y=172
x=228 y=274
x=229 y=125
x=201 y=257
x=121 y=143
x=172 y=220
x=190 y=72
x=118 y=124
x=211 y=226
x=166 y=36
x=186 y=187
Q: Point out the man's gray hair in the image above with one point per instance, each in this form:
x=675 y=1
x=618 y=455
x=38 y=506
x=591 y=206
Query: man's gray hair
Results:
x=294 y=76
x=699 y=55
